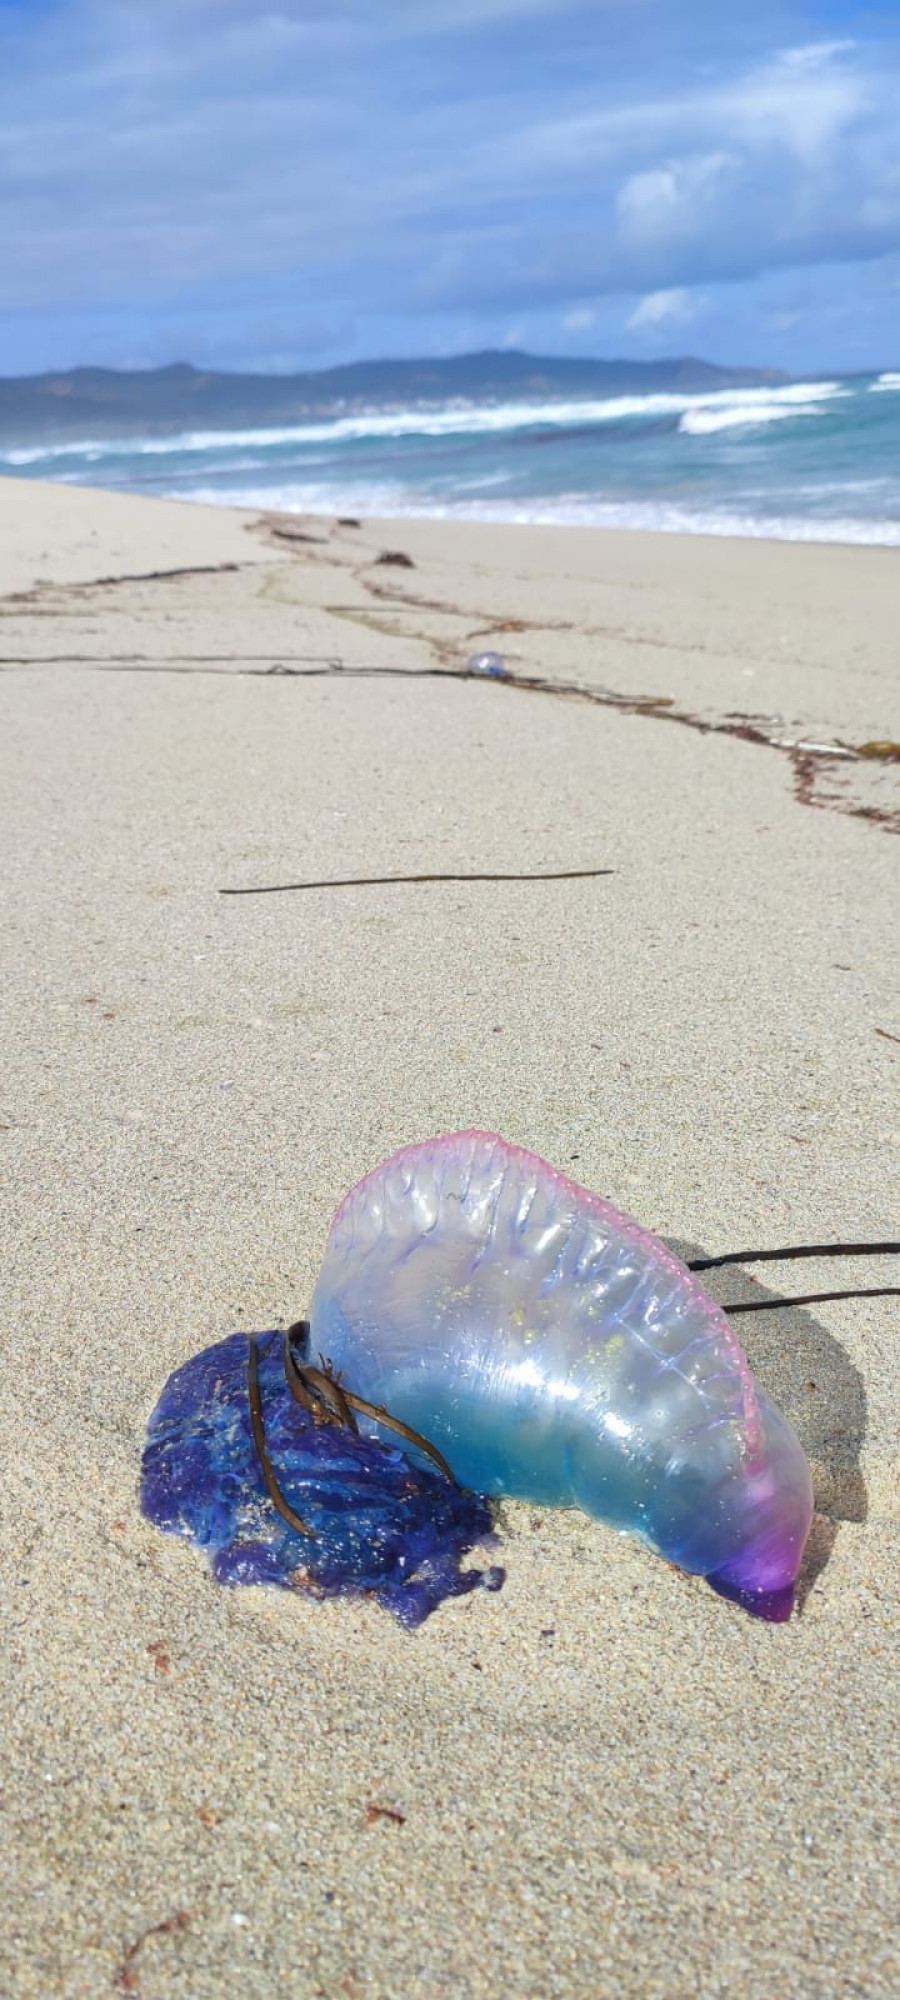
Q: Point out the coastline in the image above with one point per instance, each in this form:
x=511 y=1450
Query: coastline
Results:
x=605 y=1780
x=805 y=460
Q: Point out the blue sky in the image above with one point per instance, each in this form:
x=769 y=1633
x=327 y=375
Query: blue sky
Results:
x=244 y=185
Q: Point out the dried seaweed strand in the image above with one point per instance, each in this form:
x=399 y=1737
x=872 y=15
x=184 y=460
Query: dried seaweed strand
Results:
x=814 y=1299
x=385 y=881
x=382 y=1416
x=325 y=1399
x=262 y=1450
x=316 y=1389
x=795 y=1250
x=322 y=1393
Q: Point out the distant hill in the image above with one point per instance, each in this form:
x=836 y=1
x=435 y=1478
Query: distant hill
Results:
x=110 y=402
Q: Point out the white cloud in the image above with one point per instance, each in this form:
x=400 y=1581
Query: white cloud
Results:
x=815 y=55
x=670 y=308
x=803 y=102
x=433 y=163
x=671 y=199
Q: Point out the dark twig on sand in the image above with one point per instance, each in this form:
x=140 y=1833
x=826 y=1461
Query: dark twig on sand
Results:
x=383 y=881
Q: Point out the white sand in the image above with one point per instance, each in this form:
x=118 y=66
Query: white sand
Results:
x=613 y=1783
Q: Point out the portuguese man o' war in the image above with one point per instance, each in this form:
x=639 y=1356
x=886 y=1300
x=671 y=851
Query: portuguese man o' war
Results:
x=527 y=1339
x=557 y=1352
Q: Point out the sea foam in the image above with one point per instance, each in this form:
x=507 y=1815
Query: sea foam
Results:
x=798 y=461
x=457 y=420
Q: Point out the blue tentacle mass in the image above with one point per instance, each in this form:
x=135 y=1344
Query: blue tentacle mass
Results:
x=382 y=1526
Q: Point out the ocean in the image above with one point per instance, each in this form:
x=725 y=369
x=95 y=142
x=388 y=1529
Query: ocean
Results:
x=810 y=461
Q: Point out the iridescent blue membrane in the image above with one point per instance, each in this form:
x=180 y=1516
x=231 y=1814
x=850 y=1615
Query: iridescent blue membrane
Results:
x=383 y=1526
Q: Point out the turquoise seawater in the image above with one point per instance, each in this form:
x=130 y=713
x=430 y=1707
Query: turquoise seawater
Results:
x=811 y=461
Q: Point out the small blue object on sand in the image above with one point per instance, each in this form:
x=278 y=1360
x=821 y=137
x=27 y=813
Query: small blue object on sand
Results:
x=380 y=1525
x=492 y=665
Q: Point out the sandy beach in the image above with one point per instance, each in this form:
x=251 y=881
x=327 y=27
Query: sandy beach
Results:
x=602 y=1781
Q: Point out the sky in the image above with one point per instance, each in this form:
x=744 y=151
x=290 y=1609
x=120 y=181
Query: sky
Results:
x=275 y=187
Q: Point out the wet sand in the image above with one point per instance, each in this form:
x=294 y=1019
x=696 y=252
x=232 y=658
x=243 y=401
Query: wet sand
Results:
x=603 y=1781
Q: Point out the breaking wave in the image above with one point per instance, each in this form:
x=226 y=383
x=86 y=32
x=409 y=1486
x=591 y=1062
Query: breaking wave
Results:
x=455 y=421
x=799 y=461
